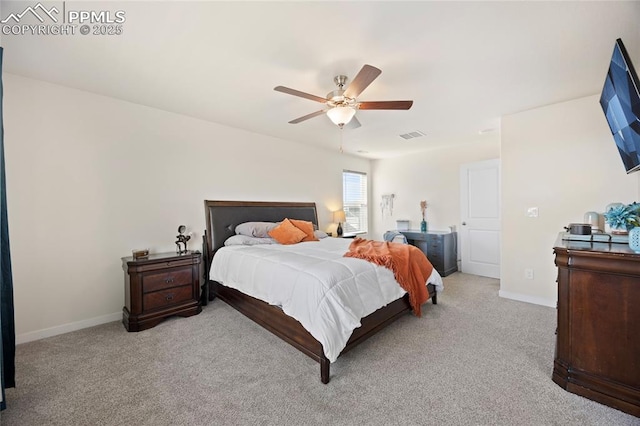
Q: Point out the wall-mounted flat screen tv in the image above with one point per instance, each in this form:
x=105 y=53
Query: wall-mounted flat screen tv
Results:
x=620 y=102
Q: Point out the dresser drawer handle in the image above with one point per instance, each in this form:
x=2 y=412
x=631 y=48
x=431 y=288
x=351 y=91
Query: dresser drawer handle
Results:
x=169 y=280
x=169 y=296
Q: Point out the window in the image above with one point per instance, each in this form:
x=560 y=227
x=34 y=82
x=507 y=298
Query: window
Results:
x=354 y=202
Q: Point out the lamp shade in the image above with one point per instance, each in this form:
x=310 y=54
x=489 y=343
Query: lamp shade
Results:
x=339 y=216
x=341 y=115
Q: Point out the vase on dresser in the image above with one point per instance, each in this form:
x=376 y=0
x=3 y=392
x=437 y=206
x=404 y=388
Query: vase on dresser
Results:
x=423 y=226
x=634 y=239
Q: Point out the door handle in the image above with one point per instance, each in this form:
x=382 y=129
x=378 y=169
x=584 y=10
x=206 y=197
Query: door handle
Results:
x=464 y=223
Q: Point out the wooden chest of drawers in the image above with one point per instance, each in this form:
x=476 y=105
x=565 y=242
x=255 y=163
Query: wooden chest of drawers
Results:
x=159 y=286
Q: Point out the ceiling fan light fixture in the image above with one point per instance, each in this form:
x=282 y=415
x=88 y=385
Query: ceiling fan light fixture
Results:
x=341 y=115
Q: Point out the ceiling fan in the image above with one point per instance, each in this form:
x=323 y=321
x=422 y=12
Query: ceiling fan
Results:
x=341 y=104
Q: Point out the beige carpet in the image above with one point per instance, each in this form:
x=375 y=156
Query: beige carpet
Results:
x=473 y=359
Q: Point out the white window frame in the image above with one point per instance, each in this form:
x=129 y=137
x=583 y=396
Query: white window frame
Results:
x=355 y=202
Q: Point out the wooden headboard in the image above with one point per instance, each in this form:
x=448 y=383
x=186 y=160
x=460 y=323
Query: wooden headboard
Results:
x=223 y=217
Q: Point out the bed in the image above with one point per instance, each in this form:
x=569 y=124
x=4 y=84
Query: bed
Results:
x=222 y=217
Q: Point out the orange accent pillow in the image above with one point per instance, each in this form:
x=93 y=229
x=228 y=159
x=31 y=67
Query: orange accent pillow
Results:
x=306 y=227
x=287 y=233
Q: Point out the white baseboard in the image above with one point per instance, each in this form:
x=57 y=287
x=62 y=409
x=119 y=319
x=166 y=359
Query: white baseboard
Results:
x=66 y=328
x=526 y=298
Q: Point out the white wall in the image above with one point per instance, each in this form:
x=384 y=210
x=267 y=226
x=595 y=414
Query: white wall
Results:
x=89 y=178
x=433 y=176
x=562 y=159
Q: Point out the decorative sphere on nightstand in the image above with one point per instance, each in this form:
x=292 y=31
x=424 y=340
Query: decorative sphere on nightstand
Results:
x=634 y=239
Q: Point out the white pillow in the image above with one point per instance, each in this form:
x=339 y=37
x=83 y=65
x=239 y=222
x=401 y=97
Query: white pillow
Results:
x=244 y=240
x=320 y=234
x=256 y=229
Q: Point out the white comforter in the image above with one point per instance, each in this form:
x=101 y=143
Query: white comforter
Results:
x=313 y=283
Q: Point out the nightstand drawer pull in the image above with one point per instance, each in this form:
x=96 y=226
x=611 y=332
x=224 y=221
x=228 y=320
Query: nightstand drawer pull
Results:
x=168 y=280
x=169 y=296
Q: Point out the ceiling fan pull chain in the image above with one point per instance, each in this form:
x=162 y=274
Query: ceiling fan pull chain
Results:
x=341 y=150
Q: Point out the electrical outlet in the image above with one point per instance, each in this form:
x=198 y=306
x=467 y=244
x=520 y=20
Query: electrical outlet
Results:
x=532 y=212
x=528 y=274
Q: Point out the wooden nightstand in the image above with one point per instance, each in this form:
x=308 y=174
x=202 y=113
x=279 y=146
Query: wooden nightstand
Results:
x=159 y=286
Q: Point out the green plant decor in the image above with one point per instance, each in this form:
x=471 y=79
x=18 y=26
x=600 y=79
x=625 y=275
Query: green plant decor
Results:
x=623 y=217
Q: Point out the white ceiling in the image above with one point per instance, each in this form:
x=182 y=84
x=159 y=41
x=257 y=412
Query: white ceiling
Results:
x=465 y=64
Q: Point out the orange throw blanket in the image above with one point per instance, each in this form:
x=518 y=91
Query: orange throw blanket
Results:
x=409 y=265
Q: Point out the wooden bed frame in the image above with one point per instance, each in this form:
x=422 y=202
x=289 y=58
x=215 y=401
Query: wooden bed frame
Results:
x=222 y=218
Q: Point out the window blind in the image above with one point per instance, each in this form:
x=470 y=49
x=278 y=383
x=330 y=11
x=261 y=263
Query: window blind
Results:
x=354 y=202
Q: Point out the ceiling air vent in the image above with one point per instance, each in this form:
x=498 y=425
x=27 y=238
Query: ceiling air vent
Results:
x=411 y=135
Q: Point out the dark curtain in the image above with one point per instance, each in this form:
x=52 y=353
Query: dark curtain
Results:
x=8 y=335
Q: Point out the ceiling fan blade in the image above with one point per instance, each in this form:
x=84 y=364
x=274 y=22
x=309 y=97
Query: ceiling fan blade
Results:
x=364 y=78
x=299 y=93
x=353 y=124
x=308 y=116
x=385 y=105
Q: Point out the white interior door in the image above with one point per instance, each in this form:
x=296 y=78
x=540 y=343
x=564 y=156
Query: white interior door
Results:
x=480 y=218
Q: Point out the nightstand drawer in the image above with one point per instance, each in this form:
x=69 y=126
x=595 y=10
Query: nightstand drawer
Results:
x=167 y=297
x=166 y=279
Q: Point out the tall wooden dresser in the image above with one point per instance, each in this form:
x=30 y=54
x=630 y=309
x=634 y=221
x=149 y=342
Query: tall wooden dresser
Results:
x=598 y=335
